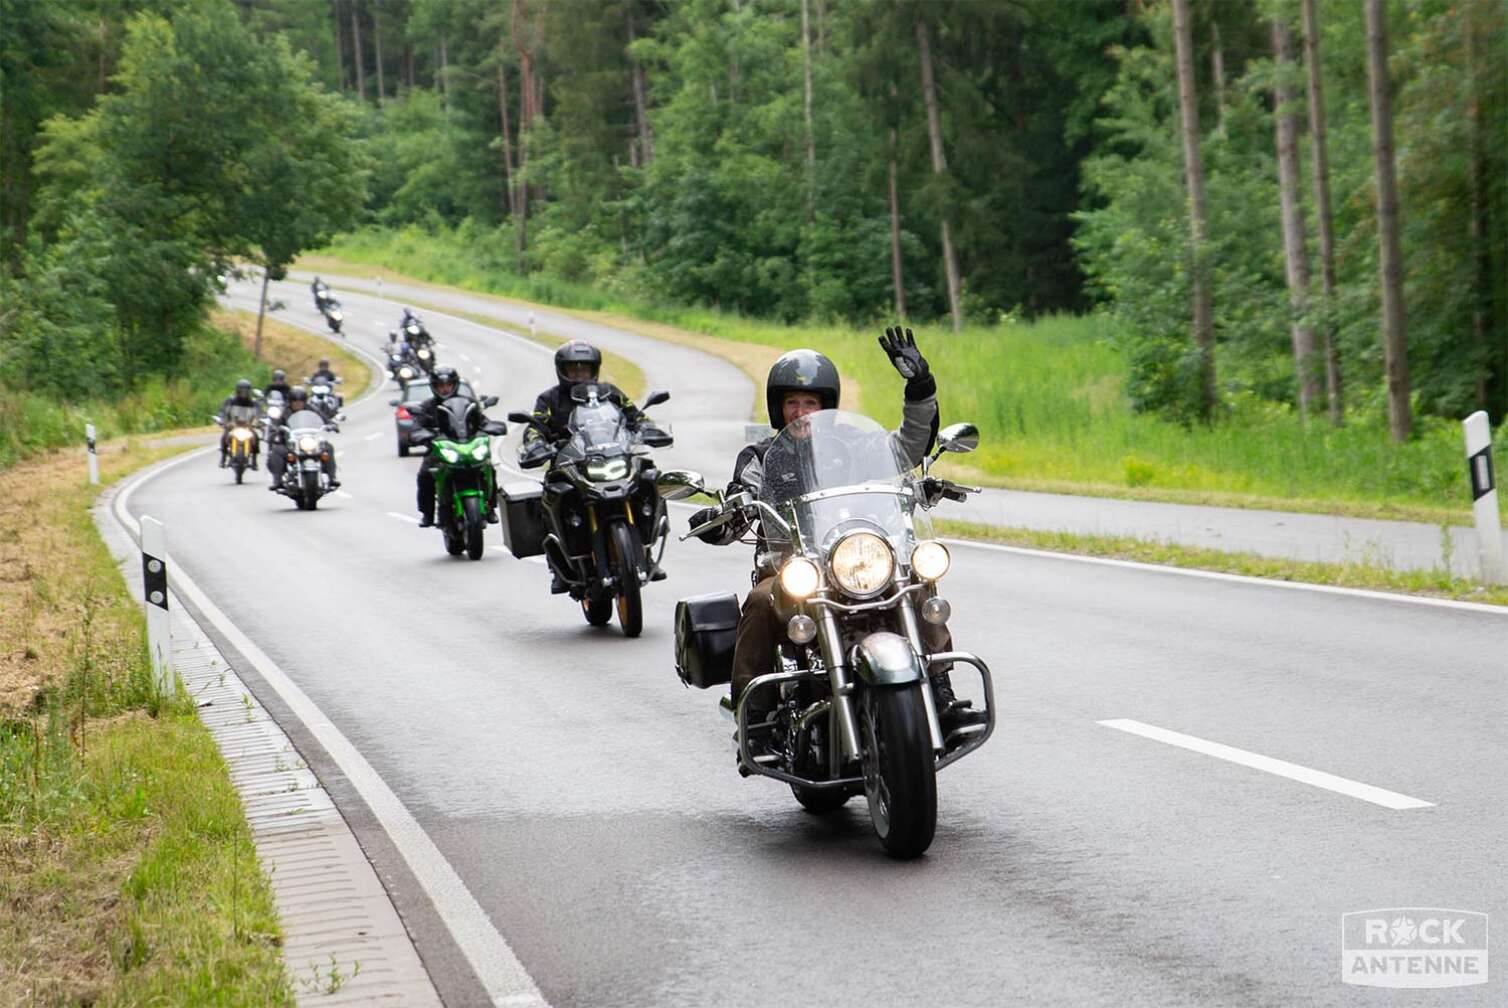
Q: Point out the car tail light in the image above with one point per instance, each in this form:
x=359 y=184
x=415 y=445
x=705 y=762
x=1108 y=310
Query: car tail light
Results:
x=404 y=414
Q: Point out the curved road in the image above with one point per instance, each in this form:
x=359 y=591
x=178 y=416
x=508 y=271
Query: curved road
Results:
x=591 y=806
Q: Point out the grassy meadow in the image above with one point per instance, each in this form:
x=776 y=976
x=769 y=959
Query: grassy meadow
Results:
x=1048 y=396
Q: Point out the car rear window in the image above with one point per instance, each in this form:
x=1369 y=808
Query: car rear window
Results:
x=416 y=392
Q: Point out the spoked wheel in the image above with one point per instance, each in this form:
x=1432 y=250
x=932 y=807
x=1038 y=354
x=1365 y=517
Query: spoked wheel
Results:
x=597 y=609
x=475 y=526
x=900 y=778
x=626 y=553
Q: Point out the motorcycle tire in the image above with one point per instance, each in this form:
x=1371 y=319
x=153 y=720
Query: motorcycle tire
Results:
x=820 y=801
x=240 y=468
x=626 y=553
x=597 y=610
x=475 y=526
x=402 y=448
x=900 y=777
x=310 y=497
x=455 y=542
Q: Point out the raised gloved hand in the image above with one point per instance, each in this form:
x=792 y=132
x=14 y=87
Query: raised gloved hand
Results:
x=900 y=345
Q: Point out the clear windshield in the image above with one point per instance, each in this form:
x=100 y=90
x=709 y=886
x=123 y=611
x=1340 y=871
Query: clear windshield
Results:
x=833 y=472
x=597 y=428
x=241 y=414
x=319 y=389
x=306 y=419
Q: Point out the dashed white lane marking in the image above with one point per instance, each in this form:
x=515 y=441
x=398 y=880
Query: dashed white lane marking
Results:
x=402 y=517
x=1281 y=768
x=465 y=357
x=373 y=436
x=477 y=370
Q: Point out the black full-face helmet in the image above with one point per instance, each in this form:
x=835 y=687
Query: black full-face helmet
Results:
x=576 y=352
x=324 y=363
x=444 y=375
x=801 y=371
x=279 y=376
x=298 y=398
x=243 y=388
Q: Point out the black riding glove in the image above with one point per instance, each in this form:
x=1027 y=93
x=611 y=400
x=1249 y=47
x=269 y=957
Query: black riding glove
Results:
x=908 y=360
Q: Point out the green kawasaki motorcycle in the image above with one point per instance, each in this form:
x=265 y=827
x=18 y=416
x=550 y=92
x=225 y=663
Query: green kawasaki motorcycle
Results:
x=465 y=478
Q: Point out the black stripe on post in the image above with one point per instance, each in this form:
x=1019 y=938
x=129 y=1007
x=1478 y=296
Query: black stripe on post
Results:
x=1480 y=465
x=155 y=573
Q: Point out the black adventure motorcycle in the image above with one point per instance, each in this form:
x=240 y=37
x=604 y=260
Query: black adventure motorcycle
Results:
x=851 y=710
x=597 y=518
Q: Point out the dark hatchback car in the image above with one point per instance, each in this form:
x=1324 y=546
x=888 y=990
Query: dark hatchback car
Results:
x=413 y=393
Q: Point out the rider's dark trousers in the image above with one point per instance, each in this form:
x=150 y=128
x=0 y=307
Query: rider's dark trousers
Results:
x=761 y=626
x=426 y=497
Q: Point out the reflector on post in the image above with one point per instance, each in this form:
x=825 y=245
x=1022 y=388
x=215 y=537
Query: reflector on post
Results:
x=1484 y=496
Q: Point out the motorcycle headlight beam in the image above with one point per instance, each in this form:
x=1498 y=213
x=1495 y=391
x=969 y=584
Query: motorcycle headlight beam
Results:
x=862 y=563
x=607 y=470
x=450 y=454
x=930 y=560
x=799 y=578
x=308 y=444
x=480 y=450
x=241 y=434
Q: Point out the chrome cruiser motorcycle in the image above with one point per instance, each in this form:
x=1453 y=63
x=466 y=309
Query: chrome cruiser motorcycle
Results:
x=601 y=525
x=842 y=523
x=307 y=453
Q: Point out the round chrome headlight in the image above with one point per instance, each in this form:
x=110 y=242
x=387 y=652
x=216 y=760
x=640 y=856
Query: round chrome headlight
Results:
x=799 y=578
x=862 y=564
x=405 y=372
x=423 y=354
x=307 y=444
x=930 y=560
x=241 y=434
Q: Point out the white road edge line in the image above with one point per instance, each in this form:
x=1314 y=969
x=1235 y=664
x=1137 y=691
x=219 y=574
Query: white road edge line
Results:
x=402 y=517
x=373 y=436
x=1235 y=578
x=502 y=975
x=1281 y=768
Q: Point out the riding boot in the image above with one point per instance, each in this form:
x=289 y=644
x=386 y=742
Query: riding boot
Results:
x=953 y=713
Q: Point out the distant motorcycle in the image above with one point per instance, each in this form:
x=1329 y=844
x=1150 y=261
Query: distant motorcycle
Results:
x=306 y=450
x=324 y=401
x=273 y=409
x=412 y=330
x=465 y=480
x=606 y=525
x=334 y=315
x=244 y=443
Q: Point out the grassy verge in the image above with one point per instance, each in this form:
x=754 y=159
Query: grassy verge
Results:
x=294 y=350
x=127 y=871
x=1437 y=584
x=1049 y=398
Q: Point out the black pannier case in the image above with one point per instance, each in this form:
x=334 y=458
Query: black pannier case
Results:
x=524 y=519
x=705 y=628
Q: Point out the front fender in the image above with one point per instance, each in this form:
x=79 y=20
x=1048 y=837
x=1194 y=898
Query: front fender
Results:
x=886 y=659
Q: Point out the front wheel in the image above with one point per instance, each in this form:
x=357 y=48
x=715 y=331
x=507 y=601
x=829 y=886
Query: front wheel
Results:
x=900 y=778
x=597 y=609
x=821 y=801
x=240 y=468
x=474 y=527
x=402 y=448
x=626 y=555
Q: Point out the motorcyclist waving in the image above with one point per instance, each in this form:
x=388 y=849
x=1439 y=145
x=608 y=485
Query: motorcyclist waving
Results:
x=799 y=383
x=444 y=383
x=241 y=403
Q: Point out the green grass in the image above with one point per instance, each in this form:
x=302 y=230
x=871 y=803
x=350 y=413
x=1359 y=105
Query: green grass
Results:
x=1049 y=399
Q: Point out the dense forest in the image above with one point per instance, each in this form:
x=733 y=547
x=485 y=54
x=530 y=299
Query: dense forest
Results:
x=1275 y=200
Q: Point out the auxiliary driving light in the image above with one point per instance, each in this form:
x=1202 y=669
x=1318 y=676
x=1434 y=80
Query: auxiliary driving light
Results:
x=799 y=578
x=930 y=560
x=801 y=629
x=936 y=611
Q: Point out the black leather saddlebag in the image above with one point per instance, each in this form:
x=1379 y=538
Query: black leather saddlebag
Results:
x=705 y=628
x=524 y=519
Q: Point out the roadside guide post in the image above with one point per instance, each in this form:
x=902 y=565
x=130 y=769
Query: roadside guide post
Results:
x=93 y=457
x=154 y=571
x=1484 y=496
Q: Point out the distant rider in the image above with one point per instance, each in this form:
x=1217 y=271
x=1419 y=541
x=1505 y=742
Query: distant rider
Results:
x=279 y=384
x=799 y=383
x=321 y=292
x=241 y=402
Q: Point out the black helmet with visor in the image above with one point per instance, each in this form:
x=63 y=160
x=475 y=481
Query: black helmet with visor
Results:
x=801 y=371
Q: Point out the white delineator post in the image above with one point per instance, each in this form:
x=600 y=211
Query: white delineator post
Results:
x=93 y=458
x=1484 y=496
x=154 y=572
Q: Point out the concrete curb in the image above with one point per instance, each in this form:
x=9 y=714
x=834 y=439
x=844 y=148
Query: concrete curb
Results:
x=334 y=910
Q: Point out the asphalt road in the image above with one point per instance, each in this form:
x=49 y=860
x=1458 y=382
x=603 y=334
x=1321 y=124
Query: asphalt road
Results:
x=591 y=805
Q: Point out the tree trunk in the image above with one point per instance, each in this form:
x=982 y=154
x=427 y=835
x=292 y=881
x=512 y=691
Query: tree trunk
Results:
x=1390 y=265
x=1479 y=228
x=1295 y=238
x=1204 y=328
x=445 y=73
x=939 y=168
x=357 y=54
x=1217 y=66
x=641 y=115
x=1320 y=166
x=408 y=63
x=811 y=146
x=502 y=109
x=377 y=43
x=896 y=276
x=340 y=42
x=256 y=346
x=525 y=119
